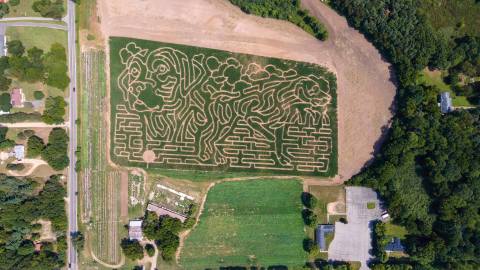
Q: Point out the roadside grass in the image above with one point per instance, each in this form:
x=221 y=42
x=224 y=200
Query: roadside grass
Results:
x=435 y=78
x=394 y=230
x=85 y=10
x=248 y=223
x=203 y=176
x=40 y=37
x=24 y=9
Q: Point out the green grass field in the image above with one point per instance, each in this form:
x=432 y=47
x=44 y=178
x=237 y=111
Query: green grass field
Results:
x=39 y=37
x=248 y=223
x=183 y=107
x=24 y=9
x=453 y=17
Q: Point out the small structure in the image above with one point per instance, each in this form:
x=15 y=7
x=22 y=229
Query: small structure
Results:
x=3 y=44
x=395 y=245
x=18 y=152
x=445 y=102
x=162 y=211
x=320 y=233
x=17 y=97
x=385 y=216
x=135 y=230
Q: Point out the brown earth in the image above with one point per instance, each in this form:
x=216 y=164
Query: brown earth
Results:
x=124 y=195
x=365 y=89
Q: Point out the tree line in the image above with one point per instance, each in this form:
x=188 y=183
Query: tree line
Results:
x=428 y=170
x=288 y=10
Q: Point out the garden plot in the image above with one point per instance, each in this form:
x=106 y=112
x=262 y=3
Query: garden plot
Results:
x=136 y=194
x=171 y=199
x=176 y=106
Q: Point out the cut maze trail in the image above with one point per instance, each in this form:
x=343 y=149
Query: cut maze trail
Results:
x=207 y=109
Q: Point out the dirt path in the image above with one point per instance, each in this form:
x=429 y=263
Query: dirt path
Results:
x=34 y=162
x=114 y=266
x=365 y=91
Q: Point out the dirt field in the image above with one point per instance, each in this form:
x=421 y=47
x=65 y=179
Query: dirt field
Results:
x=365 y=92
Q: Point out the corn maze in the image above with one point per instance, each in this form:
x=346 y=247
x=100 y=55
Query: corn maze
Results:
x=176 y=106
x=100 y=184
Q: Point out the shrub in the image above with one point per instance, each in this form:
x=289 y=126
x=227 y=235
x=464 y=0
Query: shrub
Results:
x=20 y=117
x=150 y=250
x=14 y=2
x=47 y=8
x=5 y=104
x=15 y=47
x=132 y=249
x=38 y=95
x=309 y=200
x=15 y=166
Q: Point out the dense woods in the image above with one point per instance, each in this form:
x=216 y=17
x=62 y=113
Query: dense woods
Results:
x=428 y=171
x=23 y=202
x=289 y=10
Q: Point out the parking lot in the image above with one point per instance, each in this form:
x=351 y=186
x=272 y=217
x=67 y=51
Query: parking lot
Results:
x=352 y=241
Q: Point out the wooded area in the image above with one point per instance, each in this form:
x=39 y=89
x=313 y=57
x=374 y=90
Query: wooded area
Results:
x=428 y=171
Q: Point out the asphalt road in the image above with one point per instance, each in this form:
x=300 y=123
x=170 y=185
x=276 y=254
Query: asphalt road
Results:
x=33 y=24
x=72 y=177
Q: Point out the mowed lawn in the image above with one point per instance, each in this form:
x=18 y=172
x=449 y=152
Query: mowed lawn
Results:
x=248 y=223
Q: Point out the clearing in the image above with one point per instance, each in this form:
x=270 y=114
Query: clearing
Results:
x=244 y=223
x=185 y=107
x=365 y=95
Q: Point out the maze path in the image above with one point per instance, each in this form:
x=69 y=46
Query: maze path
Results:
x=215 y=110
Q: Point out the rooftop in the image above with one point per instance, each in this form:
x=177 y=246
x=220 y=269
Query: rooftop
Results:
x=395 y=245
x=162 y=211
x=17 y=97
x=320 y=235
x=135 y=230
x=445 y=102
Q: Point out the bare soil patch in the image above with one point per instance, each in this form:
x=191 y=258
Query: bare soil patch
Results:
x=149 y=156
x=365 y=89
x=46 y=233
x=124 y=195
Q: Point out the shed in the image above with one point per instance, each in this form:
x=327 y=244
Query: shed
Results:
x=395 y=245
x=135 y=230
x=320 y=233
x=162 y=211
x=445 y=102
x=19 y=152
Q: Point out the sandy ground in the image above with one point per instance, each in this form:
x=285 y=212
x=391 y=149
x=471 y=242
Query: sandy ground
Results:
x=365 y=90
x=124 y=195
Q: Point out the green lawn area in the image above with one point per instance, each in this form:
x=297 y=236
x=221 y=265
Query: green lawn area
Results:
x=24 y=9
x=40 y=37
x=371 y=205
x=326 y=195
x=247 y=223
x=395 y=230
x=435 y=78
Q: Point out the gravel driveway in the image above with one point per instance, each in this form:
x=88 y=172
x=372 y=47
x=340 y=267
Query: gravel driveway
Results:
x=353 y=241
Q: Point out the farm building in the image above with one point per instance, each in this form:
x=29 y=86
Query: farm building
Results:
x=320 y=233
x=395 y=245
x=17 y=97
x=162 y=211
x=446 y=102
x=135 y=230
x=18 y=152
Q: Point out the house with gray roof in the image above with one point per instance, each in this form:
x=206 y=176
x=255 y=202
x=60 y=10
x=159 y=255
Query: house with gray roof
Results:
x=395 y=245
x=445 y=102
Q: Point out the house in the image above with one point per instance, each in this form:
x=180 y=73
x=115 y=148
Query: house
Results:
x=18 y=152
x=395 y=245
x=17 y=97
x=320 y=233
x=445 y=102
x=135 y=230
x=162 y=211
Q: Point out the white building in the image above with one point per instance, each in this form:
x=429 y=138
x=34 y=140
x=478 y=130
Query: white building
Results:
x=135 y=230
x=19 y=152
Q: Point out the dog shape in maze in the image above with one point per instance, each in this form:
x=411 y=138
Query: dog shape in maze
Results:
x=224 y=111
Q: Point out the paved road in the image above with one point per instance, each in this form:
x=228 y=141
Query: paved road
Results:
x=32 y=125
x=34 y=24
x=72 y=177
x=29 y=19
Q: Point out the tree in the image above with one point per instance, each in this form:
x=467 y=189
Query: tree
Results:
x=55 y=153
x=15 y=47
x=150 y=250
x=5 y=83
x=132 y=249
x=38 y=95
x=309 y=218
x=78 y=240
x=47 y=8
x=54 y=110
x=35 y=146
x=55 y=62
x=4 y=9
x=5 y=102
x=309 y=200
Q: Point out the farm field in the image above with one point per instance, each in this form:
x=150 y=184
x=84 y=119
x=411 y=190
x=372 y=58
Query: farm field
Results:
x=183 y=107
x=101 y=185
x=248 y=223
